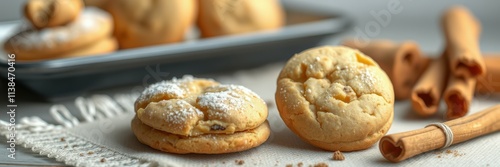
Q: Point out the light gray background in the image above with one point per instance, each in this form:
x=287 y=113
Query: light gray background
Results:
x=418 y=21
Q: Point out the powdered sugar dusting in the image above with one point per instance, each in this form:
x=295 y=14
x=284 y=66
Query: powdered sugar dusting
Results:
x=368 y=77
x=172 y=87
x=89 y=21
x=185 y=112
x=229 y=98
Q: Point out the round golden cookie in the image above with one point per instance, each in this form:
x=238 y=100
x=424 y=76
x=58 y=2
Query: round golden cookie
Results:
x=335 y=98
x=51 y=13
x=202 y=144
x=224 y=17
x=151 y=22
x=190 y=107
x=93 y=25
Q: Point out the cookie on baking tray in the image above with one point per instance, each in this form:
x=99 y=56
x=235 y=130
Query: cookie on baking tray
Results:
x=90 y=33
x=335 y=98
x=52 y=13
x=191 y=115
x=225 y=17
x=102 y=46
x=151 y=22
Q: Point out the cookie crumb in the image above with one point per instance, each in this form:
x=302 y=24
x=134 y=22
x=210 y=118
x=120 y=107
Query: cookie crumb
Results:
x=103 y=160
x=457 y=154
x=321 y=164
x=90 y=152
x=300 y=164
x=62 y=139
x=239 y=162
x=338 y=156
x=81 y=154
x=289 y=165
x=453 y=153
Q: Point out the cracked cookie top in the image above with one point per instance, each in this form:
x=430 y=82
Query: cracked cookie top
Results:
x=191 y=107
x=336 y=98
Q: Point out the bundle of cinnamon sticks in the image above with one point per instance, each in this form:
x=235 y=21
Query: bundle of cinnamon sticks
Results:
x=455 y=76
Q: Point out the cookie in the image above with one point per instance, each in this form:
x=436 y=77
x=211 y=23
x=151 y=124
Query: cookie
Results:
x=202 y=144
x=335 y=98
x=97 y=3
x=151 y=22
x=31 y=44
x=225 y=17
x=100 y=47
x=52 y=13
x=192 y=108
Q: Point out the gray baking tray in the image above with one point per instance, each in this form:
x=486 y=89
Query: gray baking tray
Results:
x=307 y=25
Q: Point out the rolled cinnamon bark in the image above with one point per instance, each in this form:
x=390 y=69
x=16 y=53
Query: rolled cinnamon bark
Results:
x=402 y=62
x=401 y=146
x=490 y=83
x=426 y=94
x=458 y=96
x=462 y=31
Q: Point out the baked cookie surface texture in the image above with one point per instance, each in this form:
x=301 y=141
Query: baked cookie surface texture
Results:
x=151 y=22
x=335 y=98
x=226 y=17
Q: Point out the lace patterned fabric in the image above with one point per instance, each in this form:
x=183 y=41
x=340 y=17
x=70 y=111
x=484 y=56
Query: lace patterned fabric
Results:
x=56 y=141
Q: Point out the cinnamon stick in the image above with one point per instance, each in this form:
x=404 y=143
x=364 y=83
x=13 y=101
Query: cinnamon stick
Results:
x=462 y=32
x=490 y=83
x=401 y=146
x=426 y=94
x=458 y=96
x=402 y=62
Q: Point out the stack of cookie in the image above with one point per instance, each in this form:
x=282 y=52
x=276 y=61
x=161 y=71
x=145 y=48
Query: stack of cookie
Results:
x=60 y=29
x=191 y=115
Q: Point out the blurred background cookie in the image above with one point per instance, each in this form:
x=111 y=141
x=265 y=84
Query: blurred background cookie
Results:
x=89 y=29
x=97 y=3
x=51 y=13
x=151 y=22
x=102 y=46
x=225 y=17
